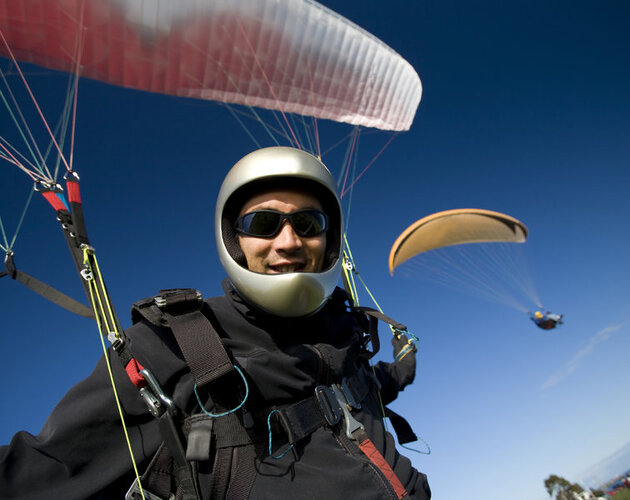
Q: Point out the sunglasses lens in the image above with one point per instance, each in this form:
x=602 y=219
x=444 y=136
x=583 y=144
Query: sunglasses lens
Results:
x=309 y=223
x=266 y=223
x=261 y=223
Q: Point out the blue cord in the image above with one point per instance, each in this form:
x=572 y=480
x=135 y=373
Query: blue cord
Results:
x=217 y=415
x=275 y=457
x=410 y=343
x=428 y=452
x=409 y=335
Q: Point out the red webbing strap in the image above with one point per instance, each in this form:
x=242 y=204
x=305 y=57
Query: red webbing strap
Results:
x=74 y=194
x=133 y=371
x=54 y=200
x=377 y=459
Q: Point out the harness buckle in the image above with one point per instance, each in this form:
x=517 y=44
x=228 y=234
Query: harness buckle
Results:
x=178 y=300
x=351 y=424
x=329 y=404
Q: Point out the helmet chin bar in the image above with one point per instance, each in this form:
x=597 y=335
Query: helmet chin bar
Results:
x=288 y=294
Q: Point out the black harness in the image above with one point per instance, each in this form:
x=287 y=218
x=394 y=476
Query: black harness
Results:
x=227 y=440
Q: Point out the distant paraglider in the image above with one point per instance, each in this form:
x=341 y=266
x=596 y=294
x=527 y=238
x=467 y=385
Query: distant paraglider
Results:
x=546 y=320
x=439 y=247
x=455 y=227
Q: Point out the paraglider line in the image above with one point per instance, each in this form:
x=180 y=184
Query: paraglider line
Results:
x=117 y=397
x=17 y=163
x=19 y=224
x=369 y=164
x=251 y=48
x=256 y=117
x=78 y=57
x=296 y=129
x=312 y=93
x=308 y=131
x=24 y=124
x=30 y=93
x=354 y=169
x=6 y=247
x=96 y=286
x=347 y=162
x=62 y=126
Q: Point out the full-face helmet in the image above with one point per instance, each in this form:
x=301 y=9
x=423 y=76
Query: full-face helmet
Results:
x=291 y=294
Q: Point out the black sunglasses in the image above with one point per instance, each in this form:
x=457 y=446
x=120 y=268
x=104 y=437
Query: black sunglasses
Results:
x=267 y=223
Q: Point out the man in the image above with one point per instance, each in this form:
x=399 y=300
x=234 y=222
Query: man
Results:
x=546 y=320
x=261 y=393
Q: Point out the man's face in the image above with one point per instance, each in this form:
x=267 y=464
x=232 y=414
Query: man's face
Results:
x=286 y=251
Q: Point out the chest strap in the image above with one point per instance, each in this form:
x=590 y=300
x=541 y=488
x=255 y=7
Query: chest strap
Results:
x=331 y=406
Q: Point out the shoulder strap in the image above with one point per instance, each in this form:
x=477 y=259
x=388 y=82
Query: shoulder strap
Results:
x=208 y=360
x=180 y=310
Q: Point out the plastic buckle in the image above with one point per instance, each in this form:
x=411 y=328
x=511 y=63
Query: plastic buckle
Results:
x=329 y=404
x=134 y=493
x=179 y=299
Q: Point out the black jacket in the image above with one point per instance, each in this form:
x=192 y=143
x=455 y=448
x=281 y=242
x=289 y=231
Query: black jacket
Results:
x=81 y=453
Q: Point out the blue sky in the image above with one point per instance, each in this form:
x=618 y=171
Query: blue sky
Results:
x=525 y=110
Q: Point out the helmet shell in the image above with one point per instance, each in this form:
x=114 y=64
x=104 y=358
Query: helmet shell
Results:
x=287 y=294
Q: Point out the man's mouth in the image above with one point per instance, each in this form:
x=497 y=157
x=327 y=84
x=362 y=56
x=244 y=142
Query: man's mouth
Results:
x=289 y=267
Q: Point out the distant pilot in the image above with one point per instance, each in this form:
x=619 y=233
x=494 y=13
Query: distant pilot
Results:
x=546 y=320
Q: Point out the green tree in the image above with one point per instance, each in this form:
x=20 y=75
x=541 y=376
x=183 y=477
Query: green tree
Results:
x=560 y=488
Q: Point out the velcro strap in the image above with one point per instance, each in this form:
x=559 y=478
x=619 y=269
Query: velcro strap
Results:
x=374 y=313
x=199 y=440
x=403 y=430
x=301 y=419
x=229 y=432
x=201 y=346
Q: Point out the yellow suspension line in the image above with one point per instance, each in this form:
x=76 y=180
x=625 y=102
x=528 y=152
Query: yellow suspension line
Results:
x=94 y=271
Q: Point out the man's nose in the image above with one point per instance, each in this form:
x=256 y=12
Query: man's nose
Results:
x=287 y=237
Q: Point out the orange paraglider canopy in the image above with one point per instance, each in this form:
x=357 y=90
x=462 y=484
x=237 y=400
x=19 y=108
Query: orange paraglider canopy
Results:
x=455 y=227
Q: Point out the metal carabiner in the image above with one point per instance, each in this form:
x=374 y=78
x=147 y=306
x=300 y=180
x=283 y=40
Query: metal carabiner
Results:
x=155 y=398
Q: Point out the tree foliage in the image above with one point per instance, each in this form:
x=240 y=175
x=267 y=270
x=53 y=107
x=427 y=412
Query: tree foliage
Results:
x=560 y=488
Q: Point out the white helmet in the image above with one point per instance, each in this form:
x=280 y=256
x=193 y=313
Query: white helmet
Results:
x=287 y=294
